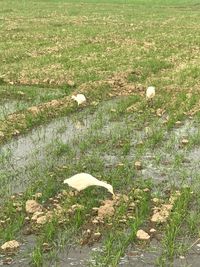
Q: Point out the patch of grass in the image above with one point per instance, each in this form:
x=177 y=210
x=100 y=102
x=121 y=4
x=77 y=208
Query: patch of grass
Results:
x=173 y=229
x=118 y=238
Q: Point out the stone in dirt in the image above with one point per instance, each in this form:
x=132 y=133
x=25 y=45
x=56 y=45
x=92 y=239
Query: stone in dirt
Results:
x=95 y=221
x=146 y=189
x=32 y=206
x=131 y=206
x=142 y=235
x=10 y=245
x=159 y=218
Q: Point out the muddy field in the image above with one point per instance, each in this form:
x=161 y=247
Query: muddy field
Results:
x=149 y=151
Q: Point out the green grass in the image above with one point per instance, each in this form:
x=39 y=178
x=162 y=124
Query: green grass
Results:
x=112 y=50
x=173 y=228
x=118 y=238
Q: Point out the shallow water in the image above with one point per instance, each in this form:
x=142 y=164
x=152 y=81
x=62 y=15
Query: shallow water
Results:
x=138 y=257
x=166 y=170
x=34 y=152
x=29 y=152
x=75 y=256
x=22 y=258
x=194 y=155
x=11 y=106
x=187 y=129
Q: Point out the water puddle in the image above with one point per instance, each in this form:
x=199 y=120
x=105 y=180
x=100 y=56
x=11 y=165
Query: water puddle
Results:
x=171 y=160
x=75 y=256
x=187 y=129
x=150 y=172
x=160 y=165
x=137 y=257
x=22 y=258
x=194 y=155
x=11 y=106
x=30 y=154
x=110 y=160
x=34 y=152
x=191 y=259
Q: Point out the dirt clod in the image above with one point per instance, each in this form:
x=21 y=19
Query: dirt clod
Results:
x=36 y=215
x=32 y=206
x=106 y=210
x=10 y=245
x=42 y=219
x=142 y=235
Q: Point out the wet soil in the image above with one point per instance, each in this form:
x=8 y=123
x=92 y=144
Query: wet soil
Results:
x=11 y=106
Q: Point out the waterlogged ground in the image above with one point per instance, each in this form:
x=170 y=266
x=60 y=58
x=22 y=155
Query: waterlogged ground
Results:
x=148 y=151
